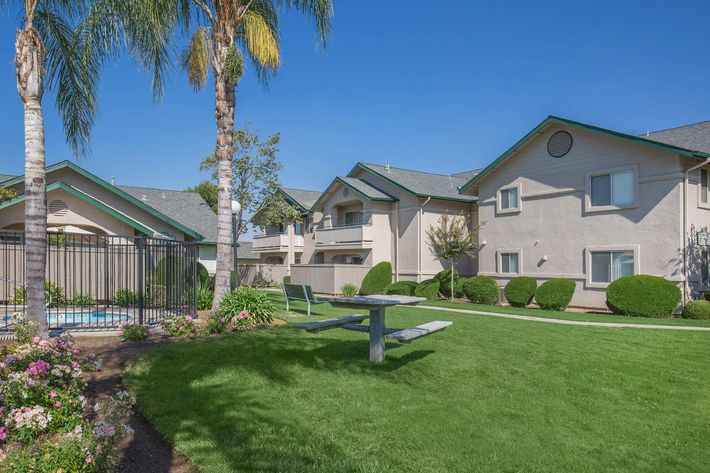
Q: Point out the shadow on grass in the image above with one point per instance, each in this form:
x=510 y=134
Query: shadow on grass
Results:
x=197 y=395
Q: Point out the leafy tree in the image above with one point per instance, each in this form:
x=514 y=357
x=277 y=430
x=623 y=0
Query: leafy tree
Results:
x=62 y=45
x=225 y=31
x=208 y=191
x=451 y=239
x=255 y=168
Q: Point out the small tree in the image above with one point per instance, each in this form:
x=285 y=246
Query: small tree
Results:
x=255 y=169
x=451 y=239
x=7 y=194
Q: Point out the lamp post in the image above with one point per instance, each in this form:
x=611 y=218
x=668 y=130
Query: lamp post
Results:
x=236 y=207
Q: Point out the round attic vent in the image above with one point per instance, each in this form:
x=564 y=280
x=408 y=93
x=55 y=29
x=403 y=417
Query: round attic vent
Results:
x=559 y=144
x=58 y=208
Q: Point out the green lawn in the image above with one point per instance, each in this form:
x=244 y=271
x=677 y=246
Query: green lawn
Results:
x=487 y=394
x=582 y=316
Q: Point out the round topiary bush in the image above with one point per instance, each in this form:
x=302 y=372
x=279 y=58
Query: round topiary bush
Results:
x=444 y=278
x=458 y=288
x=428 y=289
x=520 y=291
x=555 y=294
x=481 y=290
x=643 y=296
x=699 y=310
x=401 y=288
x=377 y=279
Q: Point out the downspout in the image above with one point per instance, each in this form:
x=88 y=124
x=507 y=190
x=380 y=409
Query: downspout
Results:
x=685 y=228
x=419 y=238
x=396 y=241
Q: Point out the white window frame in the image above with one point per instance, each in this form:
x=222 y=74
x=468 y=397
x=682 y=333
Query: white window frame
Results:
x=499 y=200
x=701 y=204
x=499 y=260
x=608 y=248
x=588 y=207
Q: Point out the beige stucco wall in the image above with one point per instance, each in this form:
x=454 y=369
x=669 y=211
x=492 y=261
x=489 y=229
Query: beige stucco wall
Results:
x=555 y=223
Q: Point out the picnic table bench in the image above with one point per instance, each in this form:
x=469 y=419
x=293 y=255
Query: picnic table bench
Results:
x=300 y=292
x=377 y=330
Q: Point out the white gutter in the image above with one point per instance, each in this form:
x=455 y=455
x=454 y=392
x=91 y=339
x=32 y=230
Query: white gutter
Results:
x=419 y=238
x=396 y=241
x=685 y=228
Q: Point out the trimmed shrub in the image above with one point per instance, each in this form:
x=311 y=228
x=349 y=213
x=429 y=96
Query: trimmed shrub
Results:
x=134 y=332
x=205 y=296
x=348 y=290
x=555 y=294
x=520 y=291
x=402 y=288
x=254 y=302
x=377 y=279
x=82 y=300
x=428 y=288
x=53 y=295
x=481 y=290
x=125 y=297
x=699 y=310
x=203 y=276
x=444 y=278
x=643 y=296
x=458 y=288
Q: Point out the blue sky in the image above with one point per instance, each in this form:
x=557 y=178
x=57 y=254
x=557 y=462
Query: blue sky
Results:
x=442 y=90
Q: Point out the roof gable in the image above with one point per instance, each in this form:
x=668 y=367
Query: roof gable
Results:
x=303 y=198
x=360 y=187
x=695 y=136
x=571 y=123
x=126 y=196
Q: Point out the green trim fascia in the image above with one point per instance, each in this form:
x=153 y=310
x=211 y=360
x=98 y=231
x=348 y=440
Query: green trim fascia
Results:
x=96 y=179
x=59 y=185
x=565 y=121
x=417 y=194
x=337 y=180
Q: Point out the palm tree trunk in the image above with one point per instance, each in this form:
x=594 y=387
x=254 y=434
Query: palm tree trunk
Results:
x=29 y=63
x=224 y=112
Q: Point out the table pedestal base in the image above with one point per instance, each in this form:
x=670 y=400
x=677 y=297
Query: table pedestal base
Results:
x=377 y=334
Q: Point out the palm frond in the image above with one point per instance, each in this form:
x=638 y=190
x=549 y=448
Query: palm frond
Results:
x=320 y=11
x=261 y=37
x=196 y=58
x=73 y=80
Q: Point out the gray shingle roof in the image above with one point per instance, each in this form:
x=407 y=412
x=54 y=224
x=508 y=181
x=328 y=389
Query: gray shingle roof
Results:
x=188 y=208
x=695 y=137
x=366 y=188
x=5 y=177
x=427 y=183
x=303 y=197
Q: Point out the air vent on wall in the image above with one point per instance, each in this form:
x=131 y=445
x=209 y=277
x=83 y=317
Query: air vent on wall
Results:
x=346 y=192
x=559 y=144
x=58 y=208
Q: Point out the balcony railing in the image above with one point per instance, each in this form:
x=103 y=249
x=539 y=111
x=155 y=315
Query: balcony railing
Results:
x=276 y=242
x=348 y=237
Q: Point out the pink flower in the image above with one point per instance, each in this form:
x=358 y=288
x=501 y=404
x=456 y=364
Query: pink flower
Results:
x=188 y=318
x=57 y=405
x=244 y=314
x=52 y=394
x=3 y=434
x=89 y=459
x=74 y=364
x=35 y=339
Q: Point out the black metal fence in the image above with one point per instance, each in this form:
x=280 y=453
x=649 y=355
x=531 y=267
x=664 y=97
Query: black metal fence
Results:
x=100 y=281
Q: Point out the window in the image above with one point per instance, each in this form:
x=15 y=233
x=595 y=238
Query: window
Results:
x=509 y=199
x=297 y=259
x=353 y=218
x=614 y=188
x=352 y=259
x=608 y=266
x=309 y=225
x=298 y=228
x=703 y=186
x=275 y=229
x=509 y=263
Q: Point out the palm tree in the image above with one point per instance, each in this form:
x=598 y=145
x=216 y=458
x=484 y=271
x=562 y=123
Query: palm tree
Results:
x=227 y=31
x=62 y=44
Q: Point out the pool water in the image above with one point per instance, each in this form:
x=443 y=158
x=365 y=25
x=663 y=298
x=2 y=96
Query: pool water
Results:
x=72 y=319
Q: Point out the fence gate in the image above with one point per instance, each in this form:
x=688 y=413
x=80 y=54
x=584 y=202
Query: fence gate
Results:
x=100 y=281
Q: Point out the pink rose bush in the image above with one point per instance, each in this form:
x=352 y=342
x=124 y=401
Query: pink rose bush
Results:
x=133 y=332
x=184 y=326
x=46 y=423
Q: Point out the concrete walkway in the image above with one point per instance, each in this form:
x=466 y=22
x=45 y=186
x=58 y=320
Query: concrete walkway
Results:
x=548 y=320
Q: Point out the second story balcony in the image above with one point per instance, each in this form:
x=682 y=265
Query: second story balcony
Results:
x=351 y=237
x=277 y=242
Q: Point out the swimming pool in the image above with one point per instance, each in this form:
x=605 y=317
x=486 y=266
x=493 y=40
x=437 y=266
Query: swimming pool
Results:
x=79 y=319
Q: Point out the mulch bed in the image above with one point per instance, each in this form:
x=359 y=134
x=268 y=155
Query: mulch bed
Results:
x=146 y=450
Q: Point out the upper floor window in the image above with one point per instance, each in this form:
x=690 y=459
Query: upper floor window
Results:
x=298 y=228
x=616 y=188
x=608 y=266
x=353 y=218
x=352 y=259
x=309 y=225
x=509 y=199
x=274 y=229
